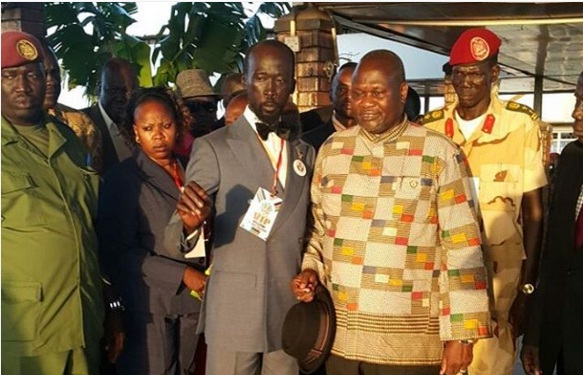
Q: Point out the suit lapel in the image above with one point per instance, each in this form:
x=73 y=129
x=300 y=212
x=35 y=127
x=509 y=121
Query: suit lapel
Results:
x=250 y=154
x=294 y=183
x=155 y=176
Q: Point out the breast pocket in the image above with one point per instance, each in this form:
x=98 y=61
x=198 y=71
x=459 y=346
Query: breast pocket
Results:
x=500 y=187
x=21 y=204
x=21 y=305
x=414 y=198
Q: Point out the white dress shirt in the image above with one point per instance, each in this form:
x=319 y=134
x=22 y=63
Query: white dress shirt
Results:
x=272 y=147
x=121 y=148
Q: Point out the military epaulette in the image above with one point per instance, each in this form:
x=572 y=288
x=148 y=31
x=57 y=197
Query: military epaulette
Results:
x=438 y=114
x=517 y=107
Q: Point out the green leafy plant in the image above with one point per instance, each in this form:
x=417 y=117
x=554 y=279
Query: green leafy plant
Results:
x=87 y=34
x=209 y=36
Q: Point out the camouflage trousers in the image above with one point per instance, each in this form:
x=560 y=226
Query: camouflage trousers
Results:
x=496 y=355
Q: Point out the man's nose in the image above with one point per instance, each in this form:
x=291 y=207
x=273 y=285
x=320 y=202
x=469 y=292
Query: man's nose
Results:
x=22 y=84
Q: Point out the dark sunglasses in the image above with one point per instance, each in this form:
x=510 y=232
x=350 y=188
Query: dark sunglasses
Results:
x=201 y=106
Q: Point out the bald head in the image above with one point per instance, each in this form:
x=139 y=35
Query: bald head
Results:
x=379 y=91
x=232 y=85
x=236 y=108
x=118 y=81
x=390 y=61
x=269 y=77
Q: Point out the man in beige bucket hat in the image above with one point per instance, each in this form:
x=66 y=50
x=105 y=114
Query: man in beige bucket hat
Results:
x=194 y=87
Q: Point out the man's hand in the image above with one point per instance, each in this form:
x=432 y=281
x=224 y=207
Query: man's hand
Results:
x=518 y=314
x=194 y=280
x=457 y=357
x=114 y=334
x=194 y=206
x=530 y=360
x=304 y=285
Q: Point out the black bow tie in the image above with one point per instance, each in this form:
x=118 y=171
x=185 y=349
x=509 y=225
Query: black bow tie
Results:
x=281 y=129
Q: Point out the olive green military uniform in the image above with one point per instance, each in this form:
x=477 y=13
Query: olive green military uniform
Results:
x=505 y=158
x=52 y=309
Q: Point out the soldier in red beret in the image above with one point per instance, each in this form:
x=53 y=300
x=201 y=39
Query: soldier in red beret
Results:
x=502 y=142
x=52 y=307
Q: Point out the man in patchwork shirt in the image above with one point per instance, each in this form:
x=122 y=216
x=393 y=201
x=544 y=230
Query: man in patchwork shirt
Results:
x=395 y=238
x=502 y=143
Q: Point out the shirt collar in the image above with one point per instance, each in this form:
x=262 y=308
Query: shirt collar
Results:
x=111 y=125
x=337 y=124
x=251 y=118
x=389 y=135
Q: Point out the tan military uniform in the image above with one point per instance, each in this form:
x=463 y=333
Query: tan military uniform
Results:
x=85 y=130
x=505 y=158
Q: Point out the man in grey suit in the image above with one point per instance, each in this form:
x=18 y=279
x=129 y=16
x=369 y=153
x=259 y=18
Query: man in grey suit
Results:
x=257 y=159
x=118 y=81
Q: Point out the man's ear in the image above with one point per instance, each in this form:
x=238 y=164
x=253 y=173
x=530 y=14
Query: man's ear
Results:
x=293 y=86
x=404 y=90
x=495 y=73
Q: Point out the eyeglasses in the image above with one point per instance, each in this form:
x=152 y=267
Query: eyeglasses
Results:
x=195 y=106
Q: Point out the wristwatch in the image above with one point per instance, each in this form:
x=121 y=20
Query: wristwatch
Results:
x=527 y=289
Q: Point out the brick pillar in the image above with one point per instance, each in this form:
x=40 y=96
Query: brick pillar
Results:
x=28 y=17
x=311 y=34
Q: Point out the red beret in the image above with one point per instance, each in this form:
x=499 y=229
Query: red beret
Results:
x=474 y=45
x=19 y=48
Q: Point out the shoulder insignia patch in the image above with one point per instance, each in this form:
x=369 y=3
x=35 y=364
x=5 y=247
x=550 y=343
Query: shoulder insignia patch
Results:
x=517 y=107
x=432 y=116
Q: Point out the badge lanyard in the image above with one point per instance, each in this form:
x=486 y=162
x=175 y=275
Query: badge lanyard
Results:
x=176 y=177
x=277 y=166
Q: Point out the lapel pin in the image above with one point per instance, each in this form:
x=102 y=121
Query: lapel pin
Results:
x=299 y=168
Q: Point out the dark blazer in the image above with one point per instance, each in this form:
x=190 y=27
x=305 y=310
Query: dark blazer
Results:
x=248 y=291
x=109 y=155
x=317 y=136
x=557 y=319
x=315 y=117
x=136 y=201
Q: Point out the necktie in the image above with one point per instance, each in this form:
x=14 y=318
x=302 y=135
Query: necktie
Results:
x=281 y=129
x=579 y=230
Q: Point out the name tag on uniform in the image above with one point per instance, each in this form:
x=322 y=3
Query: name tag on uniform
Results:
x=261 y=214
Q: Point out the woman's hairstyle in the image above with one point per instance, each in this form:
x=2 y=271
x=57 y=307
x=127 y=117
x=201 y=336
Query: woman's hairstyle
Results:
x=164 y=95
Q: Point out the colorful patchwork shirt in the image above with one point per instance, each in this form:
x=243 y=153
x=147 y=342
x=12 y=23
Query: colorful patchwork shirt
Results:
x=396 y=240
x=505 y=158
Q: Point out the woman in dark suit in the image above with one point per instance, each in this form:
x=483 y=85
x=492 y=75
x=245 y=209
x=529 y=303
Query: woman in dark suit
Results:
x=137 y=198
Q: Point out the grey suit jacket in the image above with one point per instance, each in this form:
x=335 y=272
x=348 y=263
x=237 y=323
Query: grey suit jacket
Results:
x=248 y=292
x=137 y=198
